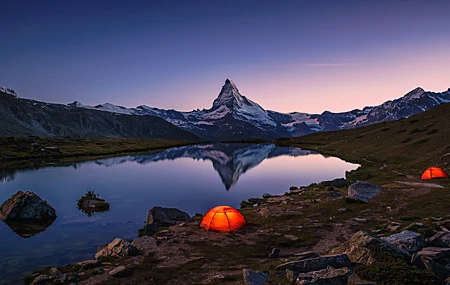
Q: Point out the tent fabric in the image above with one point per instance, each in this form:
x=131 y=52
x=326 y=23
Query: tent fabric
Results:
x=223 y=219
x=434 y=172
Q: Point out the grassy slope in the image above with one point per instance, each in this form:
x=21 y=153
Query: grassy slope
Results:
x=411 y=145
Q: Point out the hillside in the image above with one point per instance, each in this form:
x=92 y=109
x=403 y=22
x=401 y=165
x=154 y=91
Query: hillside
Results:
x=23 y=117
x=410 y=145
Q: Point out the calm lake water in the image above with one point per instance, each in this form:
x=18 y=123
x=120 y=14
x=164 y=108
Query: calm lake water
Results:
x=193 y=179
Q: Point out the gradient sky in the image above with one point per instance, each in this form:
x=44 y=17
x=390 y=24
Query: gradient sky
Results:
x=306 y=56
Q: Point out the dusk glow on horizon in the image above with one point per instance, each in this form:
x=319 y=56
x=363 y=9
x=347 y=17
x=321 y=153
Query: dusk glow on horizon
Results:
x=304 y=56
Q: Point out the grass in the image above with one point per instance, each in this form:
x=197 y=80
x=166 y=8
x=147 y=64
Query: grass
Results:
x=100 y=204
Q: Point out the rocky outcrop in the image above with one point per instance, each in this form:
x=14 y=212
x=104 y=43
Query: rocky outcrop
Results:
x=407 y=240
x=26 y=206
x=328 y=276
x=164 y=217
x=254 y=277
x=316 y=263
x=361 y=248
x=118 y=271
x=363 y=191
x=117 y=248
x=434 y=259
x=57 y=278
x=145 y=245
x=440 y=239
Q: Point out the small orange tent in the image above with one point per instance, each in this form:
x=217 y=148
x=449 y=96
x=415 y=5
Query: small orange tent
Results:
x=223 y=219
x=434 y=172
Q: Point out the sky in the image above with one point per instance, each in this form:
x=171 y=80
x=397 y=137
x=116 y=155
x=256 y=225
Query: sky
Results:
x=306 y=56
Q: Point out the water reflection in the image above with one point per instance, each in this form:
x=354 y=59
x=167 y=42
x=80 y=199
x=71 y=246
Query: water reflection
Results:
x=229 y=160
x=28 y=229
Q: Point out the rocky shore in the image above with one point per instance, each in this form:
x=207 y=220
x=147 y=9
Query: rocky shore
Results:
x=330 y=233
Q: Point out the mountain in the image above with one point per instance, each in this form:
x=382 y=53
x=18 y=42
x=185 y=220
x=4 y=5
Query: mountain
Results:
x=22 y=117
x=235 y=117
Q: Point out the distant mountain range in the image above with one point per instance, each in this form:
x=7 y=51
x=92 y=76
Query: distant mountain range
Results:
x=23 y=117
x=231 y=117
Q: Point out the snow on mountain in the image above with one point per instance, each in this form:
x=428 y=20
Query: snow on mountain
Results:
x=9 y=91
x=233 y=116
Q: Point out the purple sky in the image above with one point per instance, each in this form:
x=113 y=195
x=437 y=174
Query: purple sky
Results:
x=307 y=56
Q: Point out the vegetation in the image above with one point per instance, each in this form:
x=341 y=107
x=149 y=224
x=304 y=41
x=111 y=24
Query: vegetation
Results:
x=90 y=203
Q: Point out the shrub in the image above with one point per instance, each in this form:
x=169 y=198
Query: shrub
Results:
x=293 y=188
x=266 y=195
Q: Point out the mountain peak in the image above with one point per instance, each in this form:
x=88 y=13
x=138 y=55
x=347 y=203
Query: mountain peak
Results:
x=228 y=95
x=414 y=94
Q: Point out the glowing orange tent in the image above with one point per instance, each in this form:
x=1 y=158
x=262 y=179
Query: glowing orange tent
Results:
x=223 y=219
x=434 y=172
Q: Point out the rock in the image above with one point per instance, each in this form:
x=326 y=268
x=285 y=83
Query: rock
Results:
x=440 y=239
x=291 y=237
x=354 y=279
x=307 y=254
x=291 y=275
x=342 y=210
x=118 y=247
x=98 y=271
x=254 y=277
x=89 y=264
x=145 y=244
x=35 y=147
x=52 y=149
x=434 y=259
x=335 y=194
x=118 y=271
x=43 y=280
x=338 y=183
x=363 y=191
x=361 y=220
x=55 y=272
x=26 y=206
x=275 y=253
x=328 y=276
x=68 y=277
x=361 y=247
x=407 y=240
x=316 y=263
x=166 y=216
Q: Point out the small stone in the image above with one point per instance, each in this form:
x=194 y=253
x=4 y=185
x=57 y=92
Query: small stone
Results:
x=275 y=253
x=291 y=237
x=118 y=247
x=117 y=271
x=43 y=280
x=254 y=277
x=55 y=272
x=342 y=210
x=89 y=264
x=98 y=271
x=361 y=220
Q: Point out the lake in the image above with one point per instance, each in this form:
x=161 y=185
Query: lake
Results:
x=192 y=178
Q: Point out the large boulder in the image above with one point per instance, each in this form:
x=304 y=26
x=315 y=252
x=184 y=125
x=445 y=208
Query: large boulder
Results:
x=254 y=277
x=440 y=239
x=328 y=276
x=26 y=206
x=316 y=263
x=363 y=191
x=407 y=240
x=117 y=248
x=145 y=244
x=434 y=259
x=362 y=248
x=166 y=216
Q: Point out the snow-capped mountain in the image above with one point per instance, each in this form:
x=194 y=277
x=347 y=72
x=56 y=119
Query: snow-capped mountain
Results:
x=235 y=117
x=9 y=91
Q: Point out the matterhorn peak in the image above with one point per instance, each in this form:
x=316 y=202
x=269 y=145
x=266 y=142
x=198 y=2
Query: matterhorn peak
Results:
x=228 y=95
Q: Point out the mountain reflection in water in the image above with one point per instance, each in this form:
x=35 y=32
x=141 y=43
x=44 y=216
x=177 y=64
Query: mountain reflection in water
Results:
x=230 y=160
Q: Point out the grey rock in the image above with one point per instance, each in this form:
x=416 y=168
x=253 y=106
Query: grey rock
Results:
x=166 y=216
x=118 y=271
x=363 y=191
x=361 y=247
x=89 y=264
x=328 y=276
x=434 y=259
x=26 y=206
x=43 y=280
x=275 y=253
x=254 y=277
x=316 y=263
x=407 y=240
x=145 y=244
x=68 y=277
x=307 y=254
x=118 y=247
x=361 y=220
x=55 y=272
x=440 y=239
